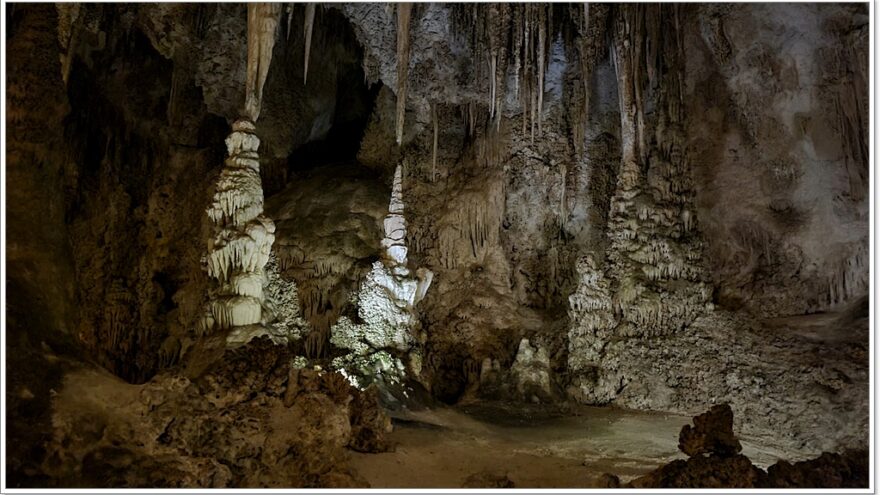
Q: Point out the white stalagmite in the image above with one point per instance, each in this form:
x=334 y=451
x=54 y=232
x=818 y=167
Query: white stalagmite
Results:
x=393 y=243
x=242 y=240
x=386 y=300
x=243 y=237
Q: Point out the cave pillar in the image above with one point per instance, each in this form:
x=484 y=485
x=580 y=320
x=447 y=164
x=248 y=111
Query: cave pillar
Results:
x=242 y=236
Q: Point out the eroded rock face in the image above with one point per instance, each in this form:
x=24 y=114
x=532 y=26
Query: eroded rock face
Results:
x=251 y=420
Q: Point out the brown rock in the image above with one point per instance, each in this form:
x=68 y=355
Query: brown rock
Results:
x=704 y=472
x=608 y=480
x=712 y=433
x=846 y=470
x=486 y=479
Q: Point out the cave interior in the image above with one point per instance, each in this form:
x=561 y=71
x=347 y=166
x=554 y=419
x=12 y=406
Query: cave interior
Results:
x=277 y=245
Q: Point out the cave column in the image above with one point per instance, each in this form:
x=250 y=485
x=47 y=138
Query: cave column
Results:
x=242 y=236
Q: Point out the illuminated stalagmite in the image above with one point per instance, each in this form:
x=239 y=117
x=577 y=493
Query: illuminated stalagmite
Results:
x=386 y=303
x=243 y=236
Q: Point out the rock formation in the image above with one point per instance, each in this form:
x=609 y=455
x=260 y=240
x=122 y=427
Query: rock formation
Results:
x=280 y=426
x=385 y=304
x=715 y=462
x=243 y=236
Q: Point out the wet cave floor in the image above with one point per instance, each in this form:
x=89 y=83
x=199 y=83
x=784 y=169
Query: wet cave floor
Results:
x=534 y=446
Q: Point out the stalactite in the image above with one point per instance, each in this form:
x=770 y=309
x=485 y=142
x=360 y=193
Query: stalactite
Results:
x=177 y=77
x=307 y=33
x=263 y=21
x=542 y=50
x=517 y=14
x=75 y=28
x=562 y=212
x=404 y=10
x=434 y=147
x=289 y=9
x=472 y=227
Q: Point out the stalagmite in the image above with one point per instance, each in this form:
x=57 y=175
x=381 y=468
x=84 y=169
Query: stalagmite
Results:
x=307 y=33
x=243 y=237
x=403 y=14
x=395 y=228
x=242 y=240
x=386 y=299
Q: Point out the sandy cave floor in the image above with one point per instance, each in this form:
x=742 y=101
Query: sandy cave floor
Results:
x=534 y=447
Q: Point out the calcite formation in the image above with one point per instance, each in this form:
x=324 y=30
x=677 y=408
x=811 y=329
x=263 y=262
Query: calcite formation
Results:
x=531 y=373
x=387 y=297
x=263 y=19
x=393 y=244
x=243 y=236
x=653 y=281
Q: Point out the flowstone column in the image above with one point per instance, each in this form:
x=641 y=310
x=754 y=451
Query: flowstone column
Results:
x=243 y=236
x=652 y=281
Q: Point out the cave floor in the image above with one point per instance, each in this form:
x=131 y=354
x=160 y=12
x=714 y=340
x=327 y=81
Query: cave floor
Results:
x=534 y=446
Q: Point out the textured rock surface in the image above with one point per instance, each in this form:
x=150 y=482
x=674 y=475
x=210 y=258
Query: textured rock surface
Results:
x=814 y=385
x=279 y=427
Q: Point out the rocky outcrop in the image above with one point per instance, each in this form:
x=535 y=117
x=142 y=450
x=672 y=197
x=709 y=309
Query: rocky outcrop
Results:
x=715 y=462
x=712 y=433
x=252 y=420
